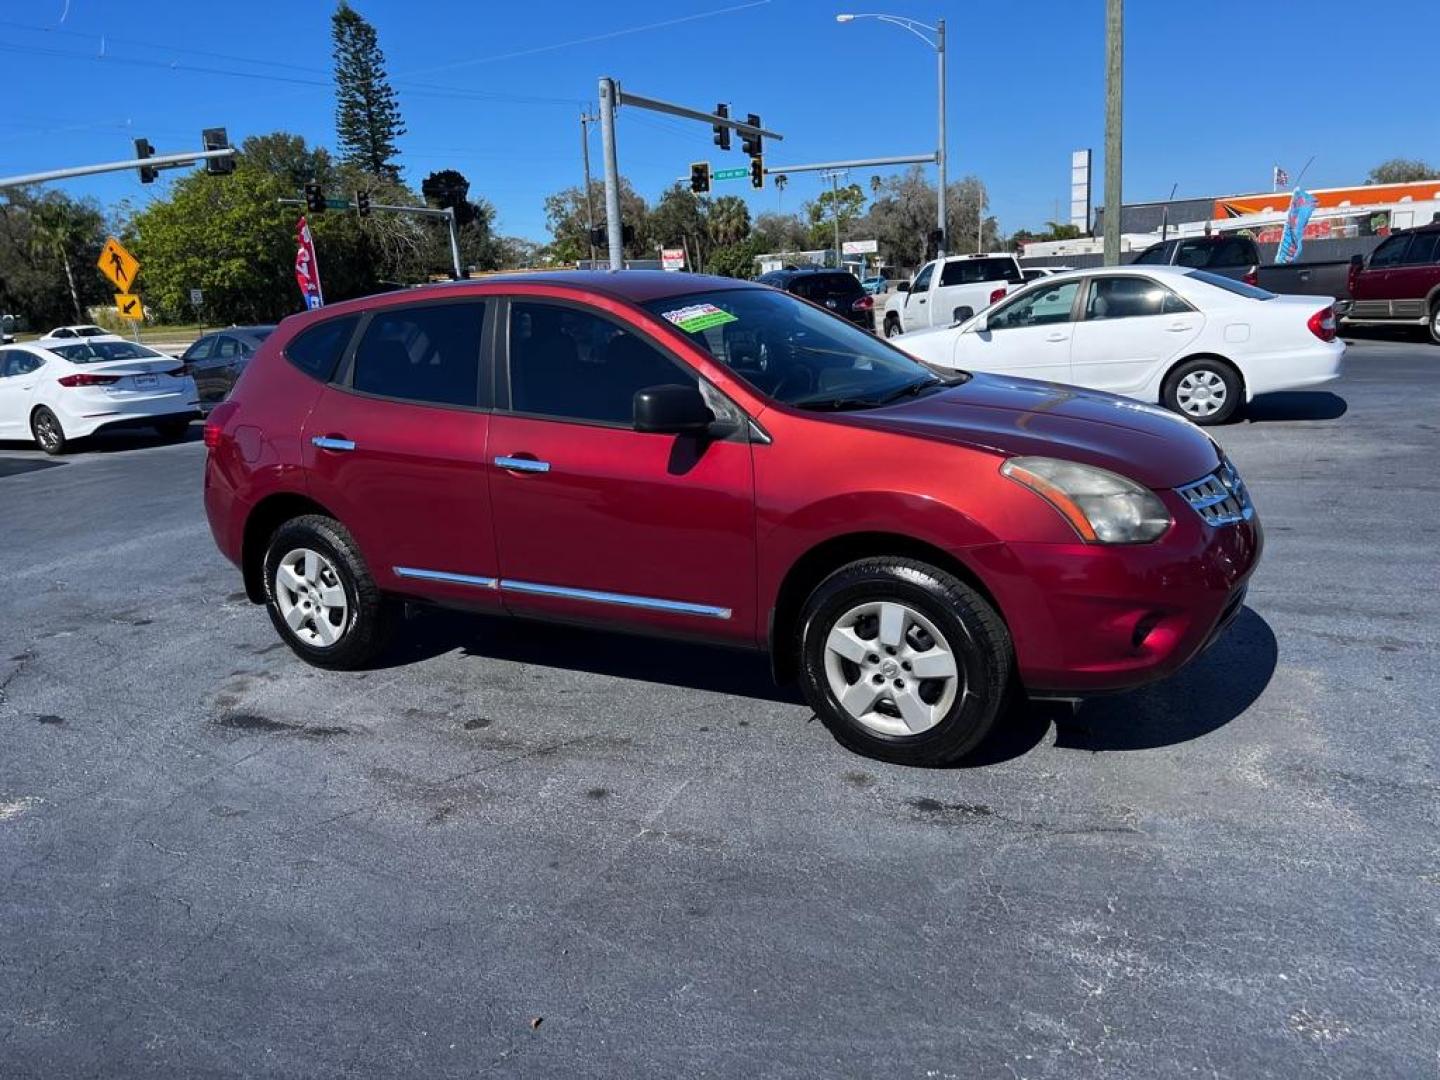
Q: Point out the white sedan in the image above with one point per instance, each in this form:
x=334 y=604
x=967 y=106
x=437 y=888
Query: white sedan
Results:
x=1193 y=341
x=83 y=330
x=58 y=389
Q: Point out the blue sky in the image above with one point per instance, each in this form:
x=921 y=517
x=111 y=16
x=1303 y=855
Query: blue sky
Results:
x=1215 y=92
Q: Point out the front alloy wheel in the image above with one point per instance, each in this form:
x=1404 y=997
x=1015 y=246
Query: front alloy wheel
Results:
x=1435 y=323
x=903 y=661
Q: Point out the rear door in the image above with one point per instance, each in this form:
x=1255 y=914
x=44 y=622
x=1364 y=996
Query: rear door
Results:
x=1412 y=280
x=199 y=359
x=595 y=521
x=1028 y=335
x=395 y=447
x=1130 y=328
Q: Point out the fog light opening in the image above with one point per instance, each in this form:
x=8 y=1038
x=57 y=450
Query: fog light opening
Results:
x=1144 y=626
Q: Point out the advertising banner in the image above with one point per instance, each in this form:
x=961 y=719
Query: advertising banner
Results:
x=307 y=269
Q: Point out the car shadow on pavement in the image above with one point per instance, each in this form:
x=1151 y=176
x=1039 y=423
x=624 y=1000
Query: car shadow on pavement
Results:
x=110 y=442
x=1296 y=405
x=1212 y=690
x=742 y=672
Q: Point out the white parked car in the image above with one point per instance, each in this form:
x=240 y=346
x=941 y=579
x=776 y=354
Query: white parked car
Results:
x=58 y=389
x=83 y=330
x=1193 y=341
x=944 y=287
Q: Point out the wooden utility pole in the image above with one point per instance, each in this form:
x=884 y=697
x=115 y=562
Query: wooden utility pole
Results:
x=1114 y=124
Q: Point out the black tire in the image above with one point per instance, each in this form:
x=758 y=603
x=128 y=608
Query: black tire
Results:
x=49 y=434
x=893 y=327
x=173 y=430
x=1203 y=367
x=371 y=616
x=972 y=629
x=1433 y=326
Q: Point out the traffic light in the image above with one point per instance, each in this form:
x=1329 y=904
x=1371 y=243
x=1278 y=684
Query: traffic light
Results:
x=757 y=172
x=722 y=133
x=314 y=197
x=597 y=236
x=143 y=149
x=362 y=203
x=700 y=177
x=217 y=139
x=627 y=235
x=752 y=144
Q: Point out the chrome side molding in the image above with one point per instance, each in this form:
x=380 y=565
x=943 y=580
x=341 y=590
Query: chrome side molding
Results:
x=594 y=596
x=441 y=575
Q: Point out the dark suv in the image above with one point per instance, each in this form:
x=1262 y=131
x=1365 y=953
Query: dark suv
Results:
x=1400 y=285
x=835 y=290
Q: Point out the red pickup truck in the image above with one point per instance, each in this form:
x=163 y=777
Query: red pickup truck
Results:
x=1400 y=284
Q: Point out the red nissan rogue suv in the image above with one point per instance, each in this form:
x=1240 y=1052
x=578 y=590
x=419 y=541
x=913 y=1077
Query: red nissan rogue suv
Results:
x=685 y=455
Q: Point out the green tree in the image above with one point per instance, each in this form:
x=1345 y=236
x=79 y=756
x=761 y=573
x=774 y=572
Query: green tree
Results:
x=680 y=219
x=475 y=220
x=781 y=232
x=367 y=114
x=566 y=213
x=231 y=238
x=729 y=220
x=903 y=216
x=738 y=259
x=843 y=204
x=48 y=247
x=1402 y=171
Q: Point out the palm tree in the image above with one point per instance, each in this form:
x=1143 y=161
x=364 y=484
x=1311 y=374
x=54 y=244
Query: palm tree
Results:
x=780 y=181
x=58 y=227
x=729 y=220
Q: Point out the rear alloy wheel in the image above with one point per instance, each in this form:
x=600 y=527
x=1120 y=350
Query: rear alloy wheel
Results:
x=321 y=597
x=49 y=435
x=1205 y=391
x=903 y=662
x=1434 y=323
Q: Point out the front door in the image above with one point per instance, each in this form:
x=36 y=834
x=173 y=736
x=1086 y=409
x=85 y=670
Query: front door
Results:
x=1028 y=336
x=19 y=374
x=597 y=522
x=1132 y=328
x=915 y=313
x=396 y=449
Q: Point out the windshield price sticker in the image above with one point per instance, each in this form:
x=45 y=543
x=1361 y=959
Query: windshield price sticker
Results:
x=700 y=317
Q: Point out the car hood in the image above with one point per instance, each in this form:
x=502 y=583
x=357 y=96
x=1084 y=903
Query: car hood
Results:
x=1021 y=416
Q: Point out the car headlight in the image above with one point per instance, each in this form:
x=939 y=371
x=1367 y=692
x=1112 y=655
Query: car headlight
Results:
x=1102 y=507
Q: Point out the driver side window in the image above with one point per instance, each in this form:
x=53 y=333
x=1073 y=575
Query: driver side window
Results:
x=1039 y=307
x=922 y=279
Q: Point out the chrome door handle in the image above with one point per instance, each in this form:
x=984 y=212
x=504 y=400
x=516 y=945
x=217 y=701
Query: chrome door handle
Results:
x=1177 y=328
x=520 y=464
x=331 y=442
x=1057 y=337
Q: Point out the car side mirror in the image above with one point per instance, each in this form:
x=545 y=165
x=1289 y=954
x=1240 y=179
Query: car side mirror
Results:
x=982 y=324
x=672 y=410
x=963 y=313
x=902 y=286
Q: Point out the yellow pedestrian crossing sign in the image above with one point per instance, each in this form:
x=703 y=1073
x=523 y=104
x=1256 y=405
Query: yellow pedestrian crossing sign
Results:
x=118 y=265
x=128 y=306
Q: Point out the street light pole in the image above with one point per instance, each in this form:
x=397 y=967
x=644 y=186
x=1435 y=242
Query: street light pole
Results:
x=1114 y=124
x=938 y=44
x=940 y=146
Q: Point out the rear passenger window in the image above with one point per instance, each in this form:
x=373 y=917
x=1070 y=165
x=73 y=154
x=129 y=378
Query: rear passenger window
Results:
x=1422 y=247
x=316 y=351
x=429 y=354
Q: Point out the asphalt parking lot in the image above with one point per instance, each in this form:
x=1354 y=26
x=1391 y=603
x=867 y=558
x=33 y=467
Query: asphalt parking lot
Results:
x=528 y=851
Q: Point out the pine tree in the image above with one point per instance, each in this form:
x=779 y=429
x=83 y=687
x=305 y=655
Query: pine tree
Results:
x=367 y=115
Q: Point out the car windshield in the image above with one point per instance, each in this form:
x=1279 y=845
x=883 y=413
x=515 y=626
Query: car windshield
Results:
x=93 y=352
x=1239 y=288
x=792 y=352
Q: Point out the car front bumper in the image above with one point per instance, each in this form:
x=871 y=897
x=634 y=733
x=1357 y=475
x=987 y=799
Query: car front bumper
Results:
x=1093 y=618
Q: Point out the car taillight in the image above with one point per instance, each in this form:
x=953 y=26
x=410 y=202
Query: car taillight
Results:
x=996 y=295
x=215 y=423
x=1252 y=277
x=865 y=303
x=88 y=380
x=1322 y=324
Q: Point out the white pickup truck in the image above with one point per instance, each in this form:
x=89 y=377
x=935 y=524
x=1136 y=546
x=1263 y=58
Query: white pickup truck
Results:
x=942 y=287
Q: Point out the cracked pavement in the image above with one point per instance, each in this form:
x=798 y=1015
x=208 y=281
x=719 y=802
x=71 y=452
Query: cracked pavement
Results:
x=215 y=861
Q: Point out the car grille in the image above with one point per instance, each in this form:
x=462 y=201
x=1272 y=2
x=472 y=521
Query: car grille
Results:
x=1220 y=498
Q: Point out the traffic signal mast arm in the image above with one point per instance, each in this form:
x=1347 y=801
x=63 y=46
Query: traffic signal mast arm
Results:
x=161 y=161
